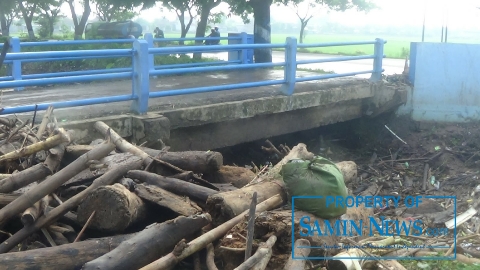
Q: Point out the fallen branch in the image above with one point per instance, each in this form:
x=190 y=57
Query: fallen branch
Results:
x=298 y=264
x=262 y=251
x=64 y=257
x=201 y=242
x=179 y=187
x=50 y=142
x=111 y=176
x=210 y=261
x=53 y=182
x=149 y=244
x=262 y=264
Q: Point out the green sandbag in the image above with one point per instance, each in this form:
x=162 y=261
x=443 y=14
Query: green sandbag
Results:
x=316 y=177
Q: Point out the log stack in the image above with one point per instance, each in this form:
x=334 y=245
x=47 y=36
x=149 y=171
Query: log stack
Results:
x=113 y=205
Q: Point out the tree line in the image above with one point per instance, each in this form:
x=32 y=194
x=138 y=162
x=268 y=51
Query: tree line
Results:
x=47 y=12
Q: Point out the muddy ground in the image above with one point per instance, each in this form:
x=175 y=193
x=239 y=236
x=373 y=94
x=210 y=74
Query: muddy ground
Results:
x=395 y=164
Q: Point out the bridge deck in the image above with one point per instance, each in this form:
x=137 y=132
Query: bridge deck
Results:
x=40 y=95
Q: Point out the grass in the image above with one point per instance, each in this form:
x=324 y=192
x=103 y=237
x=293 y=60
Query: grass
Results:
x=394 y=48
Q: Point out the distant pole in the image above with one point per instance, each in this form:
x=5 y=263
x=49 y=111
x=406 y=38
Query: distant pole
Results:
x=446 y=25
x=424 y=13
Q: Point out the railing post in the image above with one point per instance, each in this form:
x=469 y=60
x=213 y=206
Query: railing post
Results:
x=16 y=64
x=140 y=76
x=151 y=58
x=377 y=61
x=243 y=53
x=290 y=66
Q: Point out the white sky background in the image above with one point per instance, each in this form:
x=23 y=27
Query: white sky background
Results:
x=460 y=14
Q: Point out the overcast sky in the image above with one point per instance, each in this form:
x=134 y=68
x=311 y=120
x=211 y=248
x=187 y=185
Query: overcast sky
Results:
x=459 y=14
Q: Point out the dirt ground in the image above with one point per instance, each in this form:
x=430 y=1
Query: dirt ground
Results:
x=392 y=152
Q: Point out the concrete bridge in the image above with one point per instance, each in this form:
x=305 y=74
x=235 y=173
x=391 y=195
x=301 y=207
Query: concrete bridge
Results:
x=217 y=119
x=214 y=116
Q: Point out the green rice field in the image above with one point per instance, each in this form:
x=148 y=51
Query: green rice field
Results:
x=394 y=48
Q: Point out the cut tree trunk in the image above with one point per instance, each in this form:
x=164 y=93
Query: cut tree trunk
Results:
x=183 y=250
x=108 y=178
x=237 y=176
x=226 y=205
x=53 y=182
x=149 y=244
x=24 y=178
x=179 y=187
x=116 y=208
x=195 y=161
x=7 y=198
x=167 y=199
x=65 y=257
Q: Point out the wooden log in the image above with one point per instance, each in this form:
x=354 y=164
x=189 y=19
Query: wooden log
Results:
x=52 y=183
x=7 y=198
x=24 y=178
x=108 y=178
x=156 y=240
x=263 y=252
x=4 y=175
x=116 y=209
x=195 y=161
x=210 y=260
x=226 y=205
x=99 y=168
x=298 y=264
x=179 y=187
x=167 y=199
x=32 y=213
x=74 y=151
x=181 y=252
x=237 y=176
x=65 y=257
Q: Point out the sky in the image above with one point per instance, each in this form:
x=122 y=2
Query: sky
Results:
x=458 y=14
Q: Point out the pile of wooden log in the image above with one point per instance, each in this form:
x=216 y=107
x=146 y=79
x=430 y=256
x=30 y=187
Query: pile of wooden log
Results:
x=114 y=205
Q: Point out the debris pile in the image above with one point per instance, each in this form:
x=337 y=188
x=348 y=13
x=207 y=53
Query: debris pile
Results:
x=114 y=205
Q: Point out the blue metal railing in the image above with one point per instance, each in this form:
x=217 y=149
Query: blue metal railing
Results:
x=142 y=69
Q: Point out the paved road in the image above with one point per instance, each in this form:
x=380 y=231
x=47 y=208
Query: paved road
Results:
x=391 y=66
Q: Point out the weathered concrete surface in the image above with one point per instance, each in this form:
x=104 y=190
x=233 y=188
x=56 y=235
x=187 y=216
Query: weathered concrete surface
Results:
x=224 y=118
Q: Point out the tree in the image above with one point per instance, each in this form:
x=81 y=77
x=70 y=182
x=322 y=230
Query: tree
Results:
x=307 y=9
x=261 y=28
x=79 y=24
x=109 y=11
x=49 y=13
x=7 y=14
x=204 y=9
x=28 y=9
x=181 y=7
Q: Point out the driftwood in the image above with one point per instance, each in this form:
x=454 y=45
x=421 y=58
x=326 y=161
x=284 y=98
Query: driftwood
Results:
x=24 y=178
x=7 y=198
x=182 y=251
x=32 y=213
x=237 y=176
x=52 y=183
x=298 y=264
x=179 y=187
x=65 y=257
x=226 y=205
x=195 y=161
x=167 y=199
x=121 y=143
x=117 y=208
x=210 y=260
x=149 y=244
x=108 y=178
x=260 y=259
x=50 y=142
